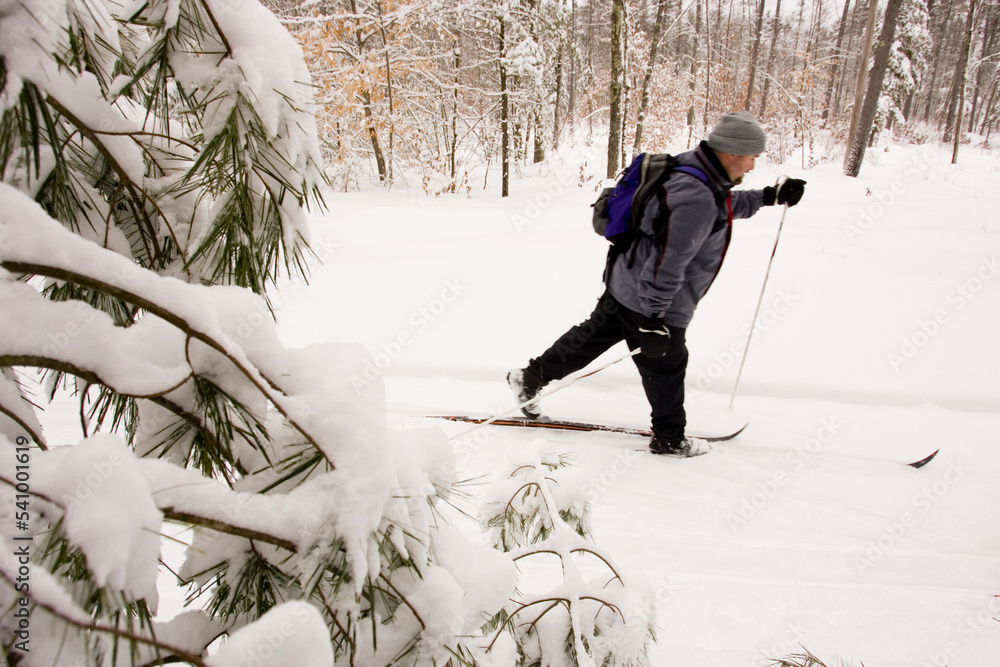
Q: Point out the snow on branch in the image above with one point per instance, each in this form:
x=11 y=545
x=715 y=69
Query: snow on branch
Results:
x=181 y=134
x=17 y=409
x=159 y=160
x=541 y=510
x=338 y=534
x=36 y=245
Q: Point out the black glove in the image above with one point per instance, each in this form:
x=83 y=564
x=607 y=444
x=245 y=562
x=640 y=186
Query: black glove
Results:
x=654 y=336
x=789 y=190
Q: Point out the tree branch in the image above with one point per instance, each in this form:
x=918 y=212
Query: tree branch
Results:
x=182 y=654
x=37 y=437
x=268 y=391
x=82 y=373
x=204 y=522
x=136 y=194
x=189 y=518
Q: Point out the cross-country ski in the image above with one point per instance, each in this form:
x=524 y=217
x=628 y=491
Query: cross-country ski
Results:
x=559 y=425
x=574 y=426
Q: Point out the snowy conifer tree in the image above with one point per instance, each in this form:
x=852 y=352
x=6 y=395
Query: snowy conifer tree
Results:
x=907 y=63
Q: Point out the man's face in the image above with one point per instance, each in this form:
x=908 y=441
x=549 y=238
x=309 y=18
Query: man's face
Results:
x=737 y=166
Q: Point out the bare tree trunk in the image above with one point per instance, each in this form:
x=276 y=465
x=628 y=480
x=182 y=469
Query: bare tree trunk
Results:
x=708 y=63
x=848 y=50
x=961 y=74
x=936 y=59
x=388 y=87
x=504 y=115
x=991 y=114
x=571 y=102
x=590 y=67
x=538 y=155
x=958 y=81
x=798 y=27
x=692 y=114
x=859 y=91
x=654 y=41
x=856 y=154
x=814 y=31
x=366 y=104
x=989 y=105
x=454 y=120
x=617 y=84
x=958 y=123
x=836 y=60
x=908 y=105
x=754 y=54
x=625 y=82
x=559 y=96
x=535 y=123
x=989 y=39
x=775 y=33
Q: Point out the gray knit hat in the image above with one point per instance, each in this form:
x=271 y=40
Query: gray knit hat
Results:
x=737 y=133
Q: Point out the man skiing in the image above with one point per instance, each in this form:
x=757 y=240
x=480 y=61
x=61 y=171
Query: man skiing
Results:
x=653 y=287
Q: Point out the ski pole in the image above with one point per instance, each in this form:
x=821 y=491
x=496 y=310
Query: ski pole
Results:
x=545 y=394
x=753 y=324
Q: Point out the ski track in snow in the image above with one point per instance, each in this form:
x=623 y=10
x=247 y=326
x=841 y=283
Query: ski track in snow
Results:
x=806 y=530
x=840 y=548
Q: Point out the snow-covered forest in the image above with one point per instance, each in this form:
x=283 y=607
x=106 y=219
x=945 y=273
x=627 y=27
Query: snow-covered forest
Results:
x=237 y=245
x=426 y=91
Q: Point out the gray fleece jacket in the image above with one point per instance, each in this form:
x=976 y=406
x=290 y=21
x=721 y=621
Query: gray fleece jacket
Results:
x=687 y=228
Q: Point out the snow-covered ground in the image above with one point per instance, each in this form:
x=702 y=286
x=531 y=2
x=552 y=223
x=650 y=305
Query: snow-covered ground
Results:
x=876 y=345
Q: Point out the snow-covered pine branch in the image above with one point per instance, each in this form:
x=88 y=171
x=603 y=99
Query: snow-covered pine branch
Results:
x=172 y=135
x=585 y=618
x=157 y=162
x=151 y=153
x=169 y=133
x=326 y=504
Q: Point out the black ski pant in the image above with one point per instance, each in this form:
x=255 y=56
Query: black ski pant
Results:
x=609 y=324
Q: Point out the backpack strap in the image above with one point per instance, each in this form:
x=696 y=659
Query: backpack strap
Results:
x=663 y=165
x=720 y=197
x=703 y=177
x=697 y=173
